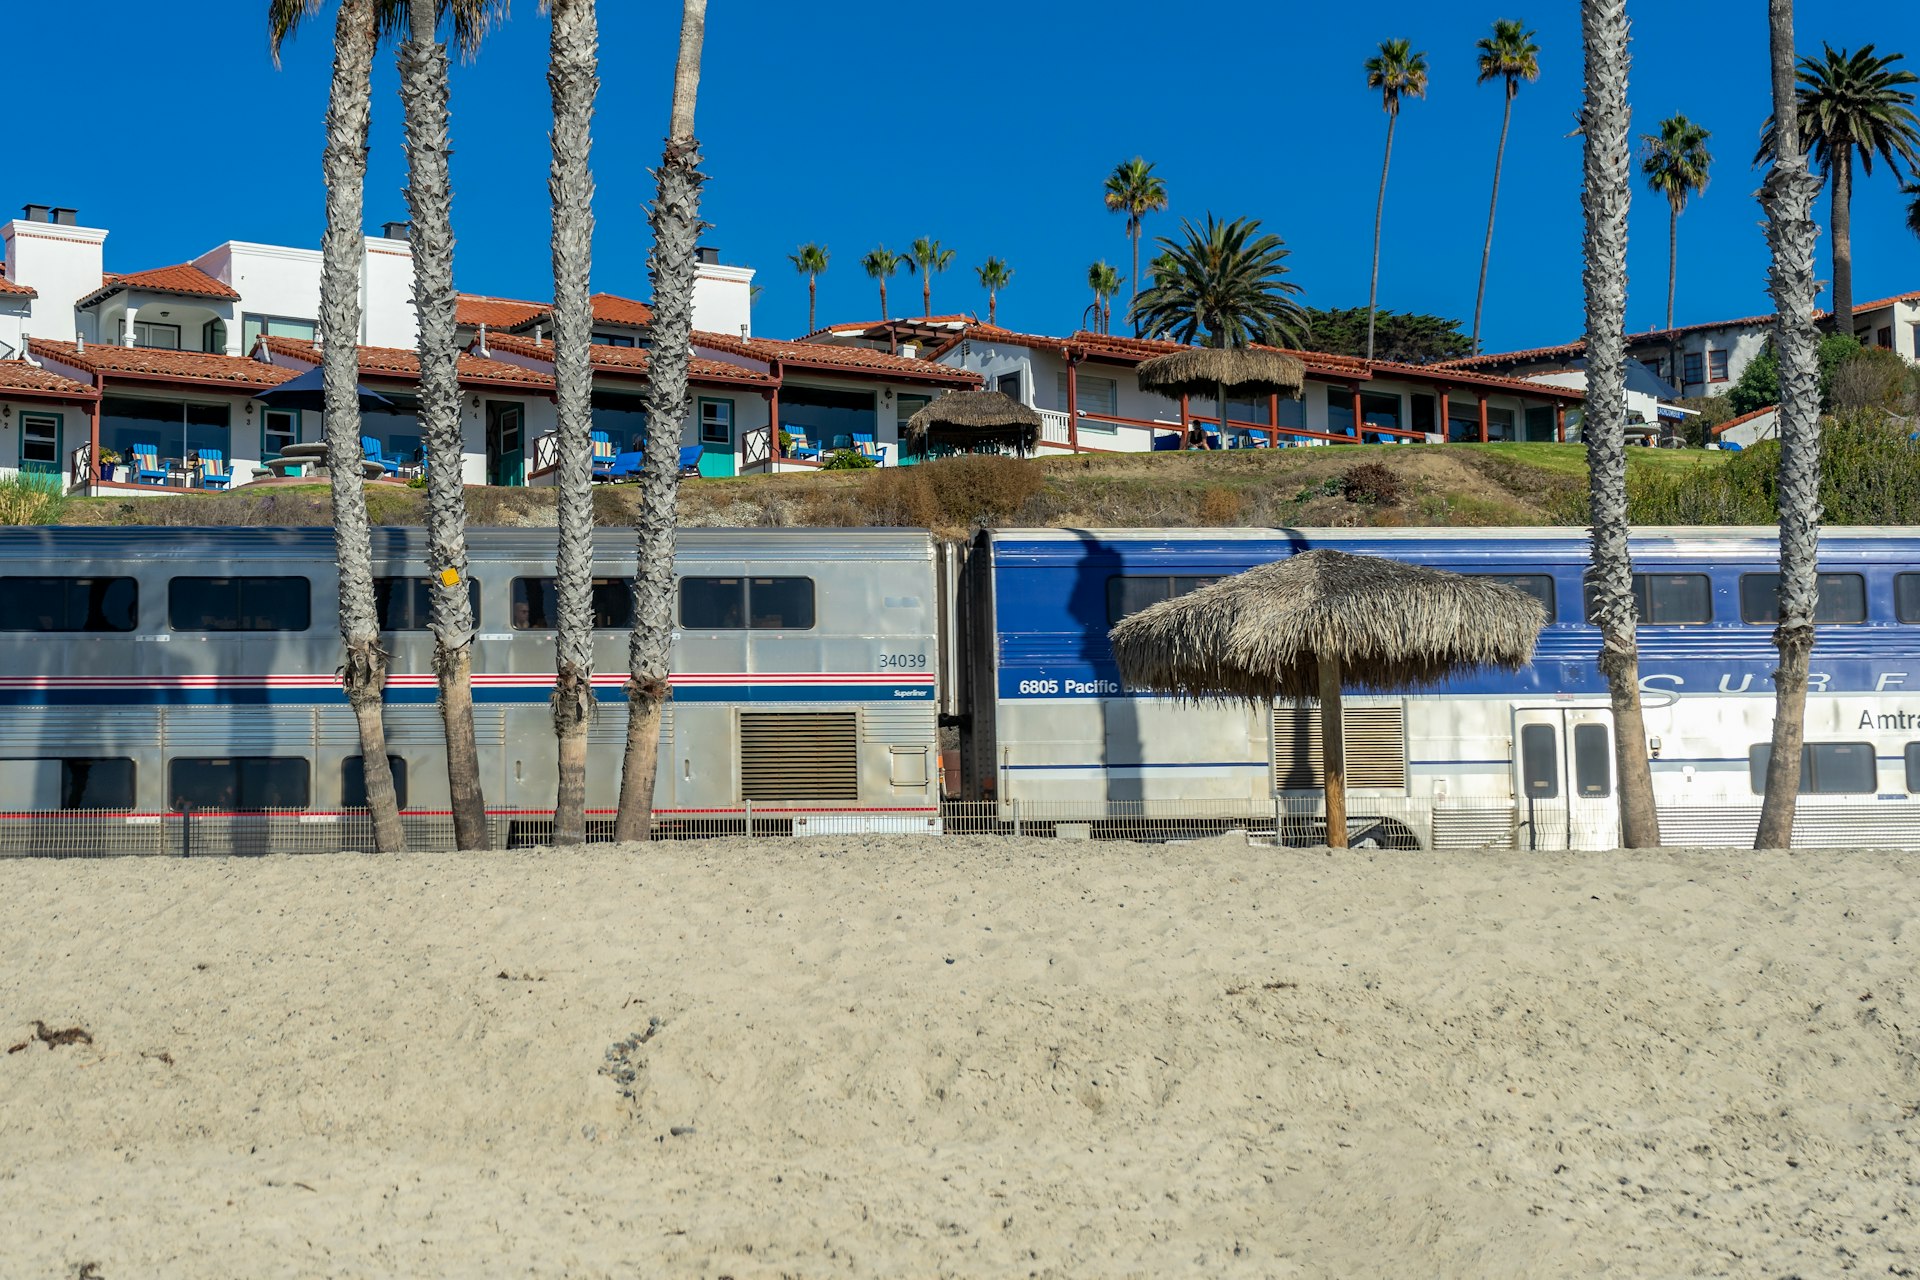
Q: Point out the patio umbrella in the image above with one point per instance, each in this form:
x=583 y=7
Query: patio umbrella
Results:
x=976 y=417
x=1308 y=626
x=308 y=391
x=1220 y=372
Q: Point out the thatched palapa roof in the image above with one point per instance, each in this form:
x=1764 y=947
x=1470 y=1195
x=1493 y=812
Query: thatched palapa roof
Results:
x=1261 y=634
x=1242 y=370
x=977 y=417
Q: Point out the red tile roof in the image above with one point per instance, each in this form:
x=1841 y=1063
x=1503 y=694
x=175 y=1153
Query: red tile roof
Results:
x=1878 y=303
x=1565 y=350
x=18 y=378
x=185 y=280
x=11 y=289
x=151 y=363
x=611 y=308
x=1745 y=418
x=832 y=358
x=403 y=363
x=632 y=361
x=879 y=328
x=475 y=309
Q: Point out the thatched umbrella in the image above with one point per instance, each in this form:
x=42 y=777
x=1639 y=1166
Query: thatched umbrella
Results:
x=1218 y=371
x=977 y=417
x=1305 y=626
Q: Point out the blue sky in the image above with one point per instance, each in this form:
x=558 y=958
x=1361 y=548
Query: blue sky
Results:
x=987 y=126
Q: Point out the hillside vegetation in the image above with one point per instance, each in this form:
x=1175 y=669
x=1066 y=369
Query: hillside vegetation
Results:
x=1872 y=477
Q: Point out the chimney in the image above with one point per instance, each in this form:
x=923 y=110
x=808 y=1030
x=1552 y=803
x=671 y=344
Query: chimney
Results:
x=65 y=217
x=911 y=350
x=722 y=296
x=480 y=343
x=37 y=213
x=707 y=255
x=396 y=231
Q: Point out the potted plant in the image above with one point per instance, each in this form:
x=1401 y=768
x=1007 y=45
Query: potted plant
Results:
x=113 y=466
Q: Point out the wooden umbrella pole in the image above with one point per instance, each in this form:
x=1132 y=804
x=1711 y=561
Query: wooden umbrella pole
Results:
x=1333 y=752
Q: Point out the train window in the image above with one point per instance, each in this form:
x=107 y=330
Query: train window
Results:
x=1592 y=760
x=732 y=604
x=537 y=608
x=1913 y=766
x=1906 y=597
x=231 y=783
x=1539 y=762
x=406 y=604
x=353 y=782
x=239 y=604
x=1667 y=599
x=68 y=604
x=1826 y=768
x=1537 y=585
x=69 y=782
x=1128 y=594
x=1842 y=598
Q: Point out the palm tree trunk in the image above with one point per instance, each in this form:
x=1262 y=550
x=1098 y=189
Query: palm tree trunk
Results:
x=1333 y=752
x=1673 y=257
x=1605 y=198
x=363 y=672
x=1486 y=253
x=573 y=77
x=926 y=291
x=1788 y=194
x=993 y=307
x=423 y=93
x=1379 y=210
x=1133 y=304
x=1843 y=238
x=883 y=300
x=813 y=285
x=675 y=218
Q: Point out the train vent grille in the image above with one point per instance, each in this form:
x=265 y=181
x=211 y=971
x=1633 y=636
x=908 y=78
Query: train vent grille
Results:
x=802 y=755
x=1376 y=739
x=911 y=725
x=608 y=728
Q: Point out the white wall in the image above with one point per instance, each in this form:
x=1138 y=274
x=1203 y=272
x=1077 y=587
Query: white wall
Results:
x=64 y=263
x=13 y=325
x=272 y=280
x=1741 y=344
x=723 y=299
x=386 y=295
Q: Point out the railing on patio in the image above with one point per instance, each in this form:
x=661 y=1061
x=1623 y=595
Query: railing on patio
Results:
x=756 y=448
x=546 y=454
x=80 y=466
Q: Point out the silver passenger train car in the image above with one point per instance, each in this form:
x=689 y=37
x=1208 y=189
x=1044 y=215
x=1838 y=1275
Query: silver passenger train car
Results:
x=151 y=669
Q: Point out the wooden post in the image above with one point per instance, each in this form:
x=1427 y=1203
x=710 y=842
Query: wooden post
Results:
x=1186 y=420
x=1073 y=404
x=1273 y=419
x=773 y=430
x=1333 y=752
x=1483 y=417
x=1446 y=412
x=1560 y=421
x=1356 y=413
x=93 y=449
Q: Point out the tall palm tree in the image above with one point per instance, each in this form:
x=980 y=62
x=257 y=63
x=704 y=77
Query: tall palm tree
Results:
x=810 y=261
x=675 y=219
x=995 y=275
x=1789 y=193
x=1510 y=56
x=1226 y=280
x=363 y=670
x=1913 y=206
x=1396 y=71
x=1105 y=283
x=423 y=94
x=573 y=77
x=880 y=265
x=1604 y=198
x=1851 y=103
x=1675 y=162
x=1133 y=190
x=928 y=257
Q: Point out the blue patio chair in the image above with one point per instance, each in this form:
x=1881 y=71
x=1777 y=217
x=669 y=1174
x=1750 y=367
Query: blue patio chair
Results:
x=1166 y=442
x=841 y=441
x=626 y=466
x=690 y=460
x=801 y=447
x=213 y=470
x=371 y=448
x=146 y=464
x=863 y=443
x=603 y=455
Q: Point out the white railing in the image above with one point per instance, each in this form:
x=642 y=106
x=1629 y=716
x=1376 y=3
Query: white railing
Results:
x=1053 y=429
x=546 y=453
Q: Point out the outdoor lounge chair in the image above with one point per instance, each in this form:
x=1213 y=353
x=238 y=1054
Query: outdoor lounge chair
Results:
x=625 y=466
x=213 y=470
x=690 y=460
x=863 y=443
x=146 y=464
x=603 y=455
x=801 y=447
x=371 y=447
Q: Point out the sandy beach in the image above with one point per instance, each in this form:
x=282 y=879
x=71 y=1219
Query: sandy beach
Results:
x=979 y=1057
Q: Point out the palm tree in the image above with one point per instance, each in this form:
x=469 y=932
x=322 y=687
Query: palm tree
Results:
x=1913 y=206
x=574 y=79
x=363 y=670
x=880 y=265
x=1395 y=71
x=675 y=219
x=1105 y=282
x=1675 y=162
x=995 y=275
x=1228 y=280
x=1851 y=102
x=1604 y=199
x=423 y=94
x=1133 y=190
x=928 y=257
x=810 y=261
x=1508 y=55
x=1788 y=193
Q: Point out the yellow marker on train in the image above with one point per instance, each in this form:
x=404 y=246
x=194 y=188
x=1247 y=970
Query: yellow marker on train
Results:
x=450 y=577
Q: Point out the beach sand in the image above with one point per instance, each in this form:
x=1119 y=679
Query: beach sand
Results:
x=968 y=1057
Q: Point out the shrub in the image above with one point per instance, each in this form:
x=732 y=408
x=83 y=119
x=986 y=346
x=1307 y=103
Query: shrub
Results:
x=1373 y=483
x=968 y=490
x=848 y=460
x=1872 y=378
x=1221 y=506
x=32 y=499
x=1759 y=384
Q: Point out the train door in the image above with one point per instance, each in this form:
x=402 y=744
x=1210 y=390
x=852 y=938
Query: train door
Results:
x=1563 y=777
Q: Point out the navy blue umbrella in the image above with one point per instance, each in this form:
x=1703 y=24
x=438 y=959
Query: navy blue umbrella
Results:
x=308 y=391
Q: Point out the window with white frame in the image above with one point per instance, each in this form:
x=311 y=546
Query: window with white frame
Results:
x=253 y=326
x=716 y=422
x=1093 y=394
x=39 y=442
x=152 y=334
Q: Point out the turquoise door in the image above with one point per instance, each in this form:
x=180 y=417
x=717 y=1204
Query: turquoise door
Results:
x=716 y=438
